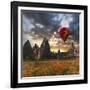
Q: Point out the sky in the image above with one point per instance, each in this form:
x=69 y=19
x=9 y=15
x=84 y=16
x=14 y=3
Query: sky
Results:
x=37 y=25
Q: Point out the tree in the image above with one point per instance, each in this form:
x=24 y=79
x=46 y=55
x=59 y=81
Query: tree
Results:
x=27 y=50
x=58 y=54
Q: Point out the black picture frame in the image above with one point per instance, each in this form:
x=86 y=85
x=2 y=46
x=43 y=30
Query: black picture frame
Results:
x=14 y=44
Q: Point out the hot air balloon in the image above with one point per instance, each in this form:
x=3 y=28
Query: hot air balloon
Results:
x=64 y=32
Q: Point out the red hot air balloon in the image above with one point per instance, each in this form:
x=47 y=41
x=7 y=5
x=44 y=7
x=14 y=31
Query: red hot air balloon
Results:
x=64 y=32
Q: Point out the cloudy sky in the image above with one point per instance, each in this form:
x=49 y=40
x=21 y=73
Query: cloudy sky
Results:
x=39 y=24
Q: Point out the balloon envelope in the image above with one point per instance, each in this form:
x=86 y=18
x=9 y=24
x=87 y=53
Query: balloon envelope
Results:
x=64 y=32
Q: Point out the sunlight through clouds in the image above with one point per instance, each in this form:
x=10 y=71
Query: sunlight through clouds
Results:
x=37 y=25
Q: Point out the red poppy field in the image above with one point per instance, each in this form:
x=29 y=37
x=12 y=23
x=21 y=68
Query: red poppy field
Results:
x=50 y=67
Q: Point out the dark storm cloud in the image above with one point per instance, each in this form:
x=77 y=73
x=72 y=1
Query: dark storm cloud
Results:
x=46 y=23
x=39 y=17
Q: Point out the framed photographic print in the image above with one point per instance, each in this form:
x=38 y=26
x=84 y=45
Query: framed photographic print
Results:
x=48 y=44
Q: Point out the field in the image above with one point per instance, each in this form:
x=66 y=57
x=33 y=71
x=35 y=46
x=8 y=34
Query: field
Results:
x=50 y=67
